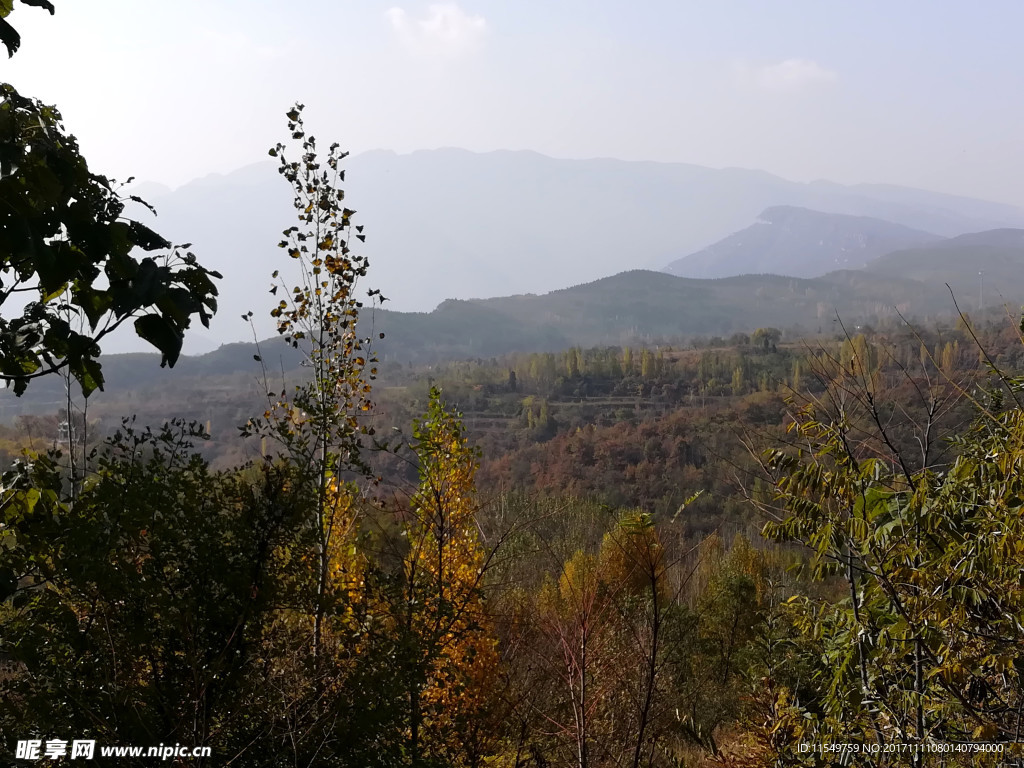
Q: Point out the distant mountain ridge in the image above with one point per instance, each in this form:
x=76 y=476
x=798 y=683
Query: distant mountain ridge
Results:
x=798 y=242
x=450 y=223
x=643 y=306
x=633 y=307
x=981 y=268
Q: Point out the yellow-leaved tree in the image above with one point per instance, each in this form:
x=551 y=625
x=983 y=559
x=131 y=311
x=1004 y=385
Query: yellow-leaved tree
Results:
x=450 y=690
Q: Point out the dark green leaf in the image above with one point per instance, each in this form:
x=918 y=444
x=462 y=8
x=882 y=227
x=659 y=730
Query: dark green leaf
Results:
x=161 y=334
x=41 y=4
x=146 y=238
x=9 y=37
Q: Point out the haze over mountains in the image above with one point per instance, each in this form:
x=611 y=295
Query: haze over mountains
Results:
x=636 y=307
x=799 y=242
x=452 y=224
x=646 y=307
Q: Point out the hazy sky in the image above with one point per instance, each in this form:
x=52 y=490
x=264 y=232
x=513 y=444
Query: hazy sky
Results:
x=924 y=93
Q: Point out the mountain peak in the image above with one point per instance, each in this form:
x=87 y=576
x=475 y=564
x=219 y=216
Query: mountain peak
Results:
x=800 y=242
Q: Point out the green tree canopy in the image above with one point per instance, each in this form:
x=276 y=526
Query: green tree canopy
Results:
x=66 y=243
